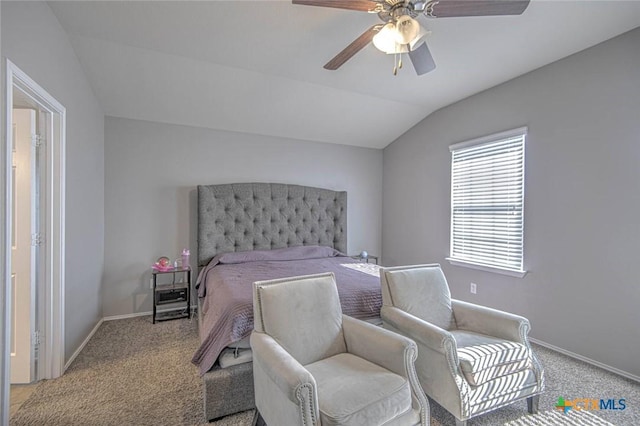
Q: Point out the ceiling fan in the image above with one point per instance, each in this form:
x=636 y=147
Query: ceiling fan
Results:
x=401 y=33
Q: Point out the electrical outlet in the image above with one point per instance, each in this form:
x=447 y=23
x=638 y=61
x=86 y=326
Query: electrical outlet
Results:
x=473 y=288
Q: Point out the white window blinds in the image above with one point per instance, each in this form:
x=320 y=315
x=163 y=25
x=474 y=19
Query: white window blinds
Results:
x=487 y=201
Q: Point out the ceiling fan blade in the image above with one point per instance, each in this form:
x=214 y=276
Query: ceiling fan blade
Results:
x=456 y=8
x=421 y=59
x=360 y=5
x=357 y=45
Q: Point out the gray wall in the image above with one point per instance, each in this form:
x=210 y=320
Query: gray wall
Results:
x=151 y=173
x=582 y=203
x=33 y=39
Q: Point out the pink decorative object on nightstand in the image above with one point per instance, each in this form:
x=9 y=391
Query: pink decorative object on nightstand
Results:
x=163 y=264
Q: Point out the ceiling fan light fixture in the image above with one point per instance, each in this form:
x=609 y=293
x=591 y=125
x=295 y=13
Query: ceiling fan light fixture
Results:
x=385 y=40
x=406 y=29
x=401 y=33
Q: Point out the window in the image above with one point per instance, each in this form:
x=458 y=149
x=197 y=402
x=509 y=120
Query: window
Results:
x=487 y=203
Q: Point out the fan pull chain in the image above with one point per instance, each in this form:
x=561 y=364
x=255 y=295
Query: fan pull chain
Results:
x=395 y=68
x=397 y=63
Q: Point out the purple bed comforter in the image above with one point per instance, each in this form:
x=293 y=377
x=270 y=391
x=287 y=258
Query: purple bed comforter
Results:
x=226 y=286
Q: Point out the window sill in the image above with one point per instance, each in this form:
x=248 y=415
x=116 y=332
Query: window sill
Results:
x=517 y=274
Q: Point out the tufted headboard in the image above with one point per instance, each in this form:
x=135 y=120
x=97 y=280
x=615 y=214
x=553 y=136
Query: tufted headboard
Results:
x=262 y=216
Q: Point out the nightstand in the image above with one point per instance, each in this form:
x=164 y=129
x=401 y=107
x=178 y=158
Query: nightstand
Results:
x=173 y=289
x=372 y=258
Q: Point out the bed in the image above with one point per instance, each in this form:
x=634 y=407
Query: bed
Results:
x=253 y=231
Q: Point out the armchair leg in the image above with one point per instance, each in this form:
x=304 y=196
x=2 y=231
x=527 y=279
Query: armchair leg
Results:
x=461 y=422
x=532 y=404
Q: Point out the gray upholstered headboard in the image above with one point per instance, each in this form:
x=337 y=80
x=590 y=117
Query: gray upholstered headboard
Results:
x=262 y=216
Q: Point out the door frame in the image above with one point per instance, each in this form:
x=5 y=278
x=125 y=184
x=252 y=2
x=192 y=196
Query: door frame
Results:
x=52 y=323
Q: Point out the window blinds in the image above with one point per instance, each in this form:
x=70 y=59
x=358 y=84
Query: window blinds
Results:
x=487 y=201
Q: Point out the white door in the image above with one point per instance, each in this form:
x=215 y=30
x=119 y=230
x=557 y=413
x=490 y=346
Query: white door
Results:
x=22 y=310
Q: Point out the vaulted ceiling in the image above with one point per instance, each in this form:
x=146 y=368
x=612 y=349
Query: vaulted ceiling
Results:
x=256 y=66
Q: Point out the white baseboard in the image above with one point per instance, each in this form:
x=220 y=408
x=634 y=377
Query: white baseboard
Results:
x=587 y=360
x=110 y=318
x=142 y=314
x=82 y=345
x=125 y=316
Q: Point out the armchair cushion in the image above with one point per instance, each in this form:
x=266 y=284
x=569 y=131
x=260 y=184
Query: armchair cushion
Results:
x=354 y=391
x=422 y=292
x=483 y=358
x=305 y=318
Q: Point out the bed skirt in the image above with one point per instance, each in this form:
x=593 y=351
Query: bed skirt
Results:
x=228 y=390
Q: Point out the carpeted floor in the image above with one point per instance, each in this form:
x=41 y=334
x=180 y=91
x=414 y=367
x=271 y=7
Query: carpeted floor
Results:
x=135 y=373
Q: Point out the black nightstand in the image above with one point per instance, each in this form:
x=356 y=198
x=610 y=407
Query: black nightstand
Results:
x=175 y=291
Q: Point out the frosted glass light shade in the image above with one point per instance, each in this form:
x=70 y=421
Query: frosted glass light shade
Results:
x=395 y=37
x=385 y=40
x=406 y=29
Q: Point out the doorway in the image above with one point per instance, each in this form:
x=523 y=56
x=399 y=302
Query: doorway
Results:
x=26 y=240
x=32 y=308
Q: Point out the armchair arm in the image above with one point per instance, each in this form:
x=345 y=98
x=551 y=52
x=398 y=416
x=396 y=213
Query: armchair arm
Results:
x=421 y=331
x=492 y=322
x=285 y=371
x=380 y=346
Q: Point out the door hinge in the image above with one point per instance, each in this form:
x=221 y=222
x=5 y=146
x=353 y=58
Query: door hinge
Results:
x=37 y=240
x=36 y=339
x=37 y=140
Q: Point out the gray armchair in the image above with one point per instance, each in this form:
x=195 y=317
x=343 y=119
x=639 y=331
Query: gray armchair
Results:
x=471 y=359
x=312 y=365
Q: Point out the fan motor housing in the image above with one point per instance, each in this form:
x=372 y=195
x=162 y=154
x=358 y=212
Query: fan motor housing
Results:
x=393 y=9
